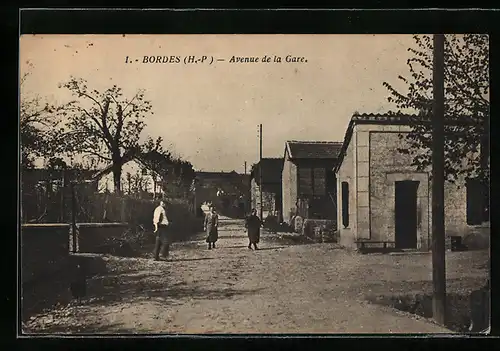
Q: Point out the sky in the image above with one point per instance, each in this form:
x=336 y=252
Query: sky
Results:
x=209 y=113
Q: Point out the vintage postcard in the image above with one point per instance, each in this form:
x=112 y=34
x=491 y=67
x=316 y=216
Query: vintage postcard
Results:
x=254 y=184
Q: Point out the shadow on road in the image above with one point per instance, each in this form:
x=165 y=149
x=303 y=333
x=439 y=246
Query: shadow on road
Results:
x=270 y=248
x=88 y=329
x=235 y=236
x=129 y=287
x=190 y=259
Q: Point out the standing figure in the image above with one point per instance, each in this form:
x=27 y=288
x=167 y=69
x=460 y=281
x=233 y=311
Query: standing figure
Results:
x=253 y=224
x=161 y=223
x=211 y=225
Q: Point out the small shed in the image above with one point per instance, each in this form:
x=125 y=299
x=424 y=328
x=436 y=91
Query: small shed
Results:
x=308 y=181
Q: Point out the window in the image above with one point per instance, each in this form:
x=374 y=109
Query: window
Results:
x=345 y=204
x=319 y=181
x=477 y=202
x=312 y=181
x=305 y=181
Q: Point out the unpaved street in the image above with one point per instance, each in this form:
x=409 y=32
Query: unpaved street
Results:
x=315 y=288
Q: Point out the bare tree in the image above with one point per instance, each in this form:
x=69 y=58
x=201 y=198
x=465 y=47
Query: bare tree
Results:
x=104 y=124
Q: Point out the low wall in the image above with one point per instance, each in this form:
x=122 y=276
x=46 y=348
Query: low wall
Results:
x=320 y=230
x=44 y=250
x=96 y=237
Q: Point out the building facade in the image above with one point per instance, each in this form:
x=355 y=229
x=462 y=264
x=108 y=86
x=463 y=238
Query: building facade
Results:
x=383 y=197
x=308 y=181
x=271 y=169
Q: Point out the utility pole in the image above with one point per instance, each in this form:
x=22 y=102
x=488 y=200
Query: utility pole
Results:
x=260 y=171
x=245 y=167
x=438 y=226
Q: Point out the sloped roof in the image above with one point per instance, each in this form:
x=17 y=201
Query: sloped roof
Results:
x=313 y=149
x=271 y=170
x=218 y=175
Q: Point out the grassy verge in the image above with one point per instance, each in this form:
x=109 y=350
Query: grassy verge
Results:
x=458 y=308
x=466 y=272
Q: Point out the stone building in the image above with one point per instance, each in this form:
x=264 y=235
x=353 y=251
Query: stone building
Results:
x=271 y=169
x=383 y=198
x=309 y=186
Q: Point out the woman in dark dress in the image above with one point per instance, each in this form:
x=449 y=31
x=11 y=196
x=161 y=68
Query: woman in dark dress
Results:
x=253 y=224
x=211 y=225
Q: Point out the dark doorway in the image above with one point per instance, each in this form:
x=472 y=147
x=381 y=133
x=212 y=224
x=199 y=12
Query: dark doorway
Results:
x=406 y=214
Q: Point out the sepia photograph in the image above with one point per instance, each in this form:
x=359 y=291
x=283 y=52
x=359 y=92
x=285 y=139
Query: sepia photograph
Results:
x=254 y=184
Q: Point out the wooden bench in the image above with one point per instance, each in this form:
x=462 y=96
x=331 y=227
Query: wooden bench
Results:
x=362 y=244
x=454 y=243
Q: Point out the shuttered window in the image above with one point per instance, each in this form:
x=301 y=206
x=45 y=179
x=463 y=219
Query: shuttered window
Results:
x=312 y=181
x=305 y=181
x=319 y=180
x=345 y=204
x=477 y=202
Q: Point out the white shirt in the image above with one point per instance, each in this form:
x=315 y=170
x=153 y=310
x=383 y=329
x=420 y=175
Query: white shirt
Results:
x=160 y=216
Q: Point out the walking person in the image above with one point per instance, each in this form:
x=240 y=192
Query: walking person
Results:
x=161 y=224
x=252 y=225
x=211 y=227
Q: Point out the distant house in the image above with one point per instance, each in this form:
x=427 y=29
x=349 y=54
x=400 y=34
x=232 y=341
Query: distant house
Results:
x=136 y=178
x=271 y=169
x=228 y=191
x=308 y=180
x=54 y=178
x=382 y=197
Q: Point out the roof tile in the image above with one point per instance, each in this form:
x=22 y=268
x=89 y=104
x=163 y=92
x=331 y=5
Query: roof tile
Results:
x=314 y=149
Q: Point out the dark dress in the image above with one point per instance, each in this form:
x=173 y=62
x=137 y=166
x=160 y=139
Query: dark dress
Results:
x=211 y=224
x=253 y=228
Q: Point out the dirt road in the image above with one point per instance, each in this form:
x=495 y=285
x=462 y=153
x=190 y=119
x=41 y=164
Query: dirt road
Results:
x=315 y=288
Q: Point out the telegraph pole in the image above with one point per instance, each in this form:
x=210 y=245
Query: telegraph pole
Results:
x=438 y=226
x=245 y=167
x=260 y=171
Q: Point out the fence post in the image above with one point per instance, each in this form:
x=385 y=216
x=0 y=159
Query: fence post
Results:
x=122 y=209
x=73 y=216
x=63 y=187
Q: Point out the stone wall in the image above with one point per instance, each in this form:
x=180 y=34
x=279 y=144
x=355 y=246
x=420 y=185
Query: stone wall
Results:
x=347 y=173
x=96 y=237
x=371 y=167
x=289 y=188
x=319 y=229
x=387 y=166
x=269 y=198
x=44 y=251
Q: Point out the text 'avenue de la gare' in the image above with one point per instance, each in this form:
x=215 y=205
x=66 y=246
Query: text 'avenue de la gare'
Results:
x=204 y=59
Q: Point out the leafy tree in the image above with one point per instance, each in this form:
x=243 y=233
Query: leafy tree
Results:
x=104 y=124
x=467 y=106
x=56 y=163
x=178 y=173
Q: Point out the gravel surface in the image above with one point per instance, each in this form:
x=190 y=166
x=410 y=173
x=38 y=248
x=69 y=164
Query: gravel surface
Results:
x=282 y=288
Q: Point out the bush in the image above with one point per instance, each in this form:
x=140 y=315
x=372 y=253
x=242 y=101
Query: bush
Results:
x=138 y=214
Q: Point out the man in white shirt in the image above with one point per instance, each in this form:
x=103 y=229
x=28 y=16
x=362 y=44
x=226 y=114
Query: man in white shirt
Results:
x=161 y=223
